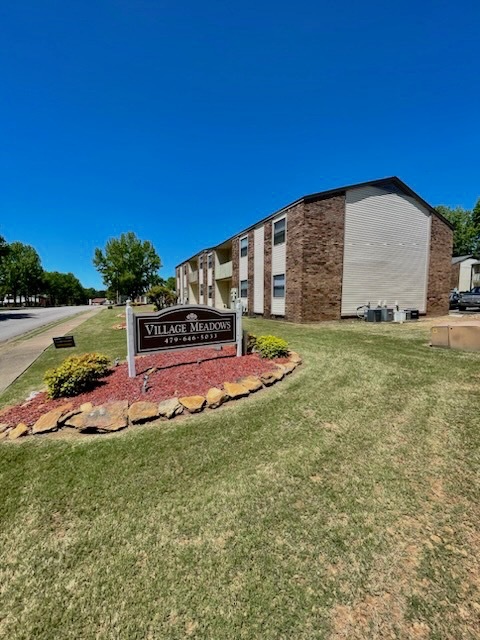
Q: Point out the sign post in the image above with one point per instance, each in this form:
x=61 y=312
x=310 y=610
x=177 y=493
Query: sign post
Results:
x=182 y=327
x=130 y=341
x=239 y=336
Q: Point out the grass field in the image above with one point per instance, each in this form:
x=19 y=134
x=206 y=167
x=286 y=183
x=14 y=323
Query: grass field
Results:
x=342 y=503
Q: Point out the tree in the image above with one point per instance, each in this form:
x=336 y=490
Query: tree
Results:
x=171 y=283
x=22 y=271
x=476 y=214
x=162 y=296
x=466 y=228
x=63 y=288
x=3 y=247
x=128 y=265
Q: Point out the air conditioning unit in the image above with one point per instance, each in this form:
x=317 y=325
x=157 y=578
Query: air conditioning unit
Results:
x=373 y=315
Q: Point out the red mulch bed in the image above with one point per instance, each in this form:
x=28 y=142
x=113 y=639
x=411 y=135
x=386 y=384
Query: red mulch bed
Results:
x=181 y=373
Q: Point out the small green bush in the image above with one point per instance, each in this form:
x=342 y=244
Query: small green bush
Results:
x=76 y=374
x=271 y=346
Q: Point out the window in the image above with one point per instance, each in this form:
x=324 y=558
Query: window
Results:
x=201 y=289
x=209 y=260
x=244 y=289
x=279 y=286
x=185 y=269
x=243 y=247
x=279 y=231
x=200 y=262
x=210 y=291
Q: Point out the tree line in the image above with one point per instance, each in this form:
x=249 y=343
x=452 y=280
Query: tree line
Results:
x=22 y=278
x=129 y=268
x=466 y=228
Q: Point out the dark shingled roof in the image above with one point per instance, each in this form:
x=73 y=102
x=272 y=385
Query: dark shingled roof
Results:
x=382 y=182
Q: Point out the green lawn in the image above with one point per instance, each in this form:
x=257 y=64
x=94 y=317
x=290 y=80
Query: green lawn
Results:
x=342 y=503
x=96 y=334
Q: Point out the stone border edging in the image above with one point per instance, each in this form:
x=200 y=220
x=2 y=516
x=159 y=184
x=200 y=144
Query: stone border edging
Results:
x=118 y=414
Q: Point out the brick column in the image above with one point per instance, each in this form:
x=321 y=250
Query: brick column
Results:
x=439 y=268
x=251 y=249
x=323 y=243
x=235 y=265
x=294 y=263
x=267 y=271
x=213 y=278
x=205 y=278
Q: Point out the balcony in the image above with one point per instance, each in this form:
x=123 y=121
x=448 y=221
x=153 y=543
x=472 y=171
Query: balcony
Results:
x=223 y=271
x=193 y=277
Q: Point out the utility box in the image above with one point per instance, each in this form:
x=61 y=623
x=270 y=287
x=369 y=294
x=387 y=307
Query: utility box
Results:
x=412 y=314
x=373 y=315
x=439 y=336
x=387 y=315
x=465 y=337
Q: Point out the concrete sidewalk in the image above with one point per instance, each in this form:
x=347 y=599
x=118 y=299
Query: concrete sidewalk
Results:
x=16 y=357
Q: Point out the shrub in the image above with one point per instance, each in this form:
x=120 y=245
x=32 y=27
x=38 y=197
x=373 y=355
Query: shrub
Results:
x=76 y=374
x=271 y=346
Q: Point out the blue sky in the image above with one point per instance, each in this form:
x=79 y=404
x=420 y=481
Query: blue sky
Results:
x=187 y=121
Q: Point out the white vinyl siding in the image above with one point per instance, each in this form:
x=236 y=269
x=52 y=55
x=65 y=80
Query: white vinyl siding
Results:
x=465 y=275
x=386 y=255
x=243 y=272
x=258 y=269
x=278 y=268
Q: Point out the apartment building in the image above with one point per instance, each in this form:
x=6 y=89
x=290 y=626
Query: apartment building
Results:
x=324 y=255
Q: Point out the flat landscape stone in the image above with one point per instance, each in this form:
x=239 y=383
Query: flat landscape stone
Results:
x=252 y=383
x=278 y=372
x=294 y=357
x=111 y=416
x=4 y=434
x=268 y=379
x=86 y=406
x=289 y=367
x=216 y=397
x=49 y=421
x=235 y=390
x=142 y=412
x=194 y=404
x=170 y=408
x=4 y=426
x=19 y=431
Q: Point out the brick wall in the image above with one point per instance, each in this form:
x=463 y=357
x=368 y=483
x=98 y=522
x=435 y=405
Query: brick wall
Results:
x=315 y=239
x=251 y=249
x=455 y=275
x=235 y=265
x=294 y=263
x=323 y=259
x=267 y=273
x=205 y=278
x=213 y=278
x=440 y=267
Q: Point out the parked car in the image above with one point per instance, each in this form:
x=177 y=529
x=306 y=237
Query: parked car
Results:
x=469 y=299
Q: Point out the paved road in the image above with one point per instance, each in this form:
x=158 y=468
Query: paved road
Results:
x=14 y=323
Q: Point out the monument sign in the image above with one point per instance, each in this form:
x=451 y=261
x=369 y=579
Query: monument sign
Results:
x=182 y=327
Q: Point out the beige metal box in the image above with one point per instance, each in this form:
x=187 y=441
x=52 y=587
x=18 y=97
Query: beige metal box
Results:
x=464 y=337
x=439 y=336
